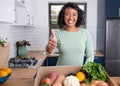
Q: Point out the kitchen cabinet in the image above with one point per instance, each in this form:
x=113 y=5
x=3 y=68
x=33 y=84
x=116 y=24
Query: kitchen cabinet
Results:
x=112 y=8
x=53 y=60
x=7 y=13
x=50 y=61
x=100 y=60
x=30 y=11
x=22 y=18
x=24 y=13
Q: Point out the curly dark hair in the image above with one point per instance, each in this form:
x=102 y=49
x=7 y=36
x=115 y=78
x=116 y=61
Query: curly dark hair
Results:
x=73 y=5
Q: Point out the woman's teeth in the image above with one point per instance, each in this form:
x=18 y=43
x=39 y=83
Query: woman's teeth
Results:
x=70 y=22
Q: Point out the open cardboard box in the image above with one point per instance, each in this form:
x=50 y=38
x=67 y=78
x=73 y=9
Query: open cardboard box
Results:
x=44 y=71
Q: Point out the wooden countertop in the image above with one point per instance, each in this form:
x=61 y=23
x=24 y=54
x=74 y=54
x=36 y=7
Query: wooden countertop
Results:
x=29 y=72
x=18 y=82
x=97 y=53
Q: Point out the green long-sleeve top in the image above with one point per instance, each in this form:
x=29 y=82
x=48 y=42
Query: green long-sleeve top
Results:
x=73 y=46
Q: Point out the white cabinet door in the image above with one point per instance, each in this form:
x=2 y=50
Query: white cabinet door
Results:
x=24 y=13
x=22 y=19
x=30 y=10
x=7 y=13
x=21 y=16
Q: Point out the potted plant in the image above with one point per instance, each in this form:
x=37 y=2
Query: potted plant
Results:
x=4 y=53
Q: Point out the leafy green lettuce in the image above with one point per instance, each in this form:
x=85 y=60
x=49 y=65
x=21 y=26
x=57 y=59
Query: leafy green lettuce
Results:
x=94 y=71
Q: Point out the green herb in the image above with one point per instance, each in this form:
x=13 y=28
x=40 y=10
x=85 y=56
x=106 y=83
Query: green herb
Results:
x=2 y=41
x=45 y=85
x=94 y=71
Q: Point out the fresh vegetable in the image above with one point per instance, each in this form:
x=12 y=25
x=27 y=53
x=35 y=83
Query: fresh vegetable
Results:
x=46 y=80
x=71 y=81
x=45 y=85
x=81 y=76
x=94 y=71
x=59 y=80
x=53 y=76
x=83 y=84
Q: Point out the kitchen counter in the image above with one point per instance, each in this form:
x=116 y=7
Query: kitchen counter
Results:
x=19 y=82
x=96 y=54
x=29 y=72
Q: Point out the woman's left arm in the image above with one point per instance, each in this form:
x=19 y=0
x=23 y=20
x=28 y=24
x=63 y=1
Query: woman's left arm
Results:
x=89 y=48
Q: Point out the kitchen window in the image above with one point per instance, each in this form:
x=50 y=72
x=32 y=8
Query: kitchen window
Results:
x=54 y=9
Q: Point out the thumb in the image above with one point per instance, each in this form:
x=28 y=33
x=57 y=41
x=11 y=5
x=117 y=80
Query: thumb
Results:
x=53 y=34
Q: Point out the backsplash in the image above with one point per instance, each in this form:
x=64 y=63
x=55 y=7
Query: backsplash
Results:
x=12 y=34
x=36 y=36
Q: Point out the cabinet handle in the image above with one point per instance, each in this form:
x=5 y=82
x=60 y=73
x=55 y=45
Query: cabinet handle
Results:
x=28 y=19
x=15 y=15
x=23 y=1
x=32 y=20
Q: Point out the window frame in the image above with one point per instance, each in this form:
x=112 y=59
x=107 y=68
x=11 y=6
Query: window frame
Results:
x=52 y=26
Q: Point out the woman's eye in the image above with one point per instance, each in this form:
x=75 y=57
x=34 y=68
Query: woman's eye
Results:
x=67 y=14
x=70 y=14
x=74 y=14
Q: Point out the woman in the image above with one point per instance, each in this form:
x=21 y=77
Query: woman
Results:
x=72 y=41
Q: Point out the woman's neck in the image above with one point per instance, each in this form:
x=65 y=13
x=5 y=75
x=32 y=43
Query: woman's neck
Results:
x=72 y=29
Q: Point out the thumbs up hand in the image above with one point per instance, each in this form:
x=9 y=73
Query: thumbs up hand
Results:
x=53 y=36
x=52 y=42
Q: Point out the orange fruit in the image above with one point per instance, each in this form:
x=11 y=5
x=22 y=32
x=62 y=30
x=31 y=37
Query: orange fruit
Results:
x=8 y=70
x=3 y=73
x=81 y=76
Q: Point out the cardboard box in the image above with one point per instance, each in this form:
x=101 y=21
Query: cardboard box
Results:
x=44 y=71
x=4 y=54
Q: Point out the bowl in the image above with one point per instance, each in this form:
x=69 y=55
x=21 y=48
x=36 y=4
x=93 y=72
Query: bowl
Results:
x=4 y=79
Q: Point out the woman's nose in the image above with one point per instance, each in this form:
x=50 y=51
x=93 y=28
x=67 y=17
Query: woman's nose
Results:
x=70 y=17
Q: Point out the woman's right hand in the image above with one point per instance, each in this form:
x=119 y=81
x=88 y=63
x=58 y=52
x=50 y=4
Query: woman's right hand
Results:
x=52 y=42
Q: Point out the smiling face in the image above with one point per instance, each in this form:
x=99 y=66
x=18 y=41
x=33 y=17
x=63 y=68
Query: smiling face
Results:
x=70 y=17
